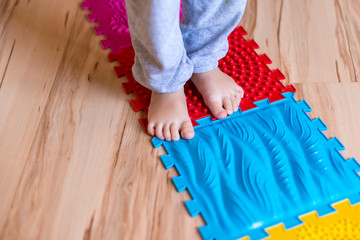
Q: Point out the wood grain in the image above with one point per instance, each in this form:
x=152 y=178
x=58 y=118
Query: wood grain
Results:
x=31 y=49
x=310 y=41
x=74 y=160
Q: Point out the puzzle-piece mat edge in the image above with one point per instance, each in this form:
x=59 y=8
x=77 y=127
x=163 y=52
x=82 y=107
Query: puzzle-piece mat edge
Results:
x=194 y=209
x=320 y=226
x=123 y=38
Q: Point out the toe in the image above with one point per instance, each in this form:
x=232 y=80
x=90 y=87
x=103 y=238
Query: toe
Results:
x=159 y=131
x=150 y=128
x=217 y=110
x=187 y=130
x=166 y=132
x=235 y=103
x=174 y=130
x=228 y=105
x=240 y=91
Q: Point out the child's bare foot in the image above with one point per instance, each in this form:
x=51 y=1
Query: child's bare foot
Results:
x=168 y=115
x=220 y=92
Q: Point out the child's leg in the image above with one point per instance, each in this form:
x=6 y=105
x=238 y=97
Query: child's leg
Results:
x=205 y=26
x=161 y=64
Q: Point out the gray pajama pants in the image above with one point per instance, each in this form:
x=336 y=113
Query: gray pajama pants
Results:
x=167 y=51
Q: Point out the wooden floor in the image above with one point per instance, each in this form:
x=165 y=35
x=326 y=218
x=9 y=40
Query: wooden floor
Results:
x=74 y=160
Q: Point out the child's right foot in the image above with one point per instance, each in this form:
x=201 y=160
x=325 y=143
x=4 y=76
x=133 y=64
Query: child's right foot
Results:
x=168 y=115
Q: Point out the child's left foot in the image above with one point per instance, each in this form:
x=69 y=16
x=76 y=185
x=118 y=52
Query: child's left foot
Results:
x=220 y=92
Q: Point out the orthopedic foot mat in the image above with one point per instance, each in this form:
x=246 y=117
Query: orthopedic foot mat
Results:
x=264 y=169
x=112 y=19
x=261 y=167
x=342 y=224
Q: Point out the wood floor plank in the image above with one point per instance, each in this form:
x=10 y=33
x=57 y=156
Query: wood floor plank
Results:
x=92 y=172
x=310 y=41
x=74 y=115
x=33 y=38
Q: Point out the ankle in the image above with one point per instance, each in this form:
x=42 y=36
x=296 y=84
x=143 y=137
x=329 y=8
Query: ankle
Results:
x=174 y=94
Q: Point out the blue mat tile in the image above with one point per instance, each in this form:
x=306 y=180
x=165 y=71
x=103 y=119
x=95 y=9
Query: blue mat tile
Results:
x=261 y=167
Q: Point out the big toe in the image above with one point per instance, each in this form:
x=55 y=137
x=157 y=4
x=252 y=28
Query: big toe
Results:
x=187 y=130
x=217 y=110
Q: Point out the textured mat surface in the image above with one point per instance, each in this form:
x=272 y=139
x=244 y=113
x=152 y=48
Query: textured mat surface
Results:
x=344 y=224
x=112 y=20
x=242 y=63
x=261 y=167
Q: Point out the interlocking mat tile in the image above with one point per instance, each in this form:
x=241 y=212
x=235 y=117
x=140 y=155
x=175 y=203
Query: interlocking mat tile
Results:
x=344 y=224
x=112 y=20
x=242 y=63
x=259 y=168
